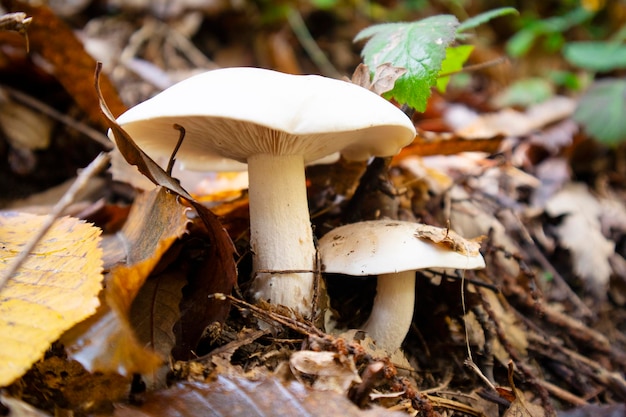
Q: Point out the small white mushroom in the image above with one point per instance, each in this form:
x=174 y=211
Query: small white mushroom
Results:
x=276 y=123
x=393 y=250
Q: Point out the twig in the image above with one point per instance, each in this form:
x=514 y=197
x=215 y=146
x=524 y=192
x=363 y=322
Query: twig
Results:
x=475 y=67
x=233 y=345
x=562 y=394
x=17 y=22
x=81 y=181
x=310 y=46
x=298 y=326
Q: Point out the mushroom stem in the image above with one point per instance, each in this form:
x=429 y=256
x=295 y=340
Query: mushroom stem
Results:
x=280 y=231
x=392 y=312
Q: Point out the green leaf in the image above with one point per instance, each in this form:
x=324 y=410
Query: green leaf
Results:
x=456 y=56
x=525 y=92
x=419 y=47
x=520 y=43
x=478 y=20
x=324 y=4
x=596 y=56
x=569 y=79
x=601 y=111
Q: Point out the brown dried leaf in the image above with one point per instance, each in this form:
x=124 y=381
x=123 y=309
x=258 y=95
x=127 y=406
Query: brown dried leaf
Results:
x=155 y=311
x=107 y=342
x=56 y=42
x=385 y=77
x=56 y=287
x=510 y=122
x=520 y=407
x=429 y=144
x=238 y=396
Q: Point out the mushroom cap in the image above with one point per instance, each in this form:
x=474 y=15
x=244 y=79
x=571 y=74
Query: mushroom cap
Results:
x=235 y=113
x=388 y=246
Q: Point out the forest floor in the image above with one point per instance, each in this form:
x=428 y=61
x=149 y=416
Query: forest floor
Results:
x=541 y=330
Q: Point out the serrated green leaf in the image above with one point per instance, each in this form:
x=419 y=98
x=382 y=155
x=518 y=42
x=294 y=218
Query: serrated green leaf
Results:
x=596 y=56
x=419 y=47
x=456 y=56
x=601 y=111
x=478 y=20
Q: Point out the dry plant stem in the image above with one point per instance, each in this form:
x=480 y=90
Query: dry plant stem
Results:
x=281 y=238
x=475 y=67
x=392 y=312
x=310 y=46
x=563 y=394
x=234 y=345
x=267 y=316
x=68 y=198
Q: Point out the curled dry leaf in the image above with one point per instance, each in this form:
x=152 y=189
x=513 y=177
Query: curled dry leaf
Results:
x=449 y=239
x=332 y=371
x=383 y=80
x=55 y=288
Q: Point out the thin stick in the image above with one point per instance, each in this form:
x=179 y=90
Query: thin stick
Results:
x=310 y=46
x=475 y=67
x=81 y=181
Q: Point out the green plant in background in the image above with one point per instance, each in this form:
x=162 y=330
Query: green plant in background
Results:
x=602 y=108
x=423 y=49
x=549 y=31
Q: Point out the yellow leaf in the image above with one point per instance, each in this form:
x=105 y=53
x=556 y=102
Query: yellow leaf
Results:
x=55 y=288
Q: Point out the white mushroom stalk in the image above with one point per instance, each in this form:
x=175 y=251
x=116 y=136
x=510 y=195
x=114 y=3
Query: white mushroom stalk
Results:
x=280 y=229
x=276 y=123
x=394 y=250
x=392 y=311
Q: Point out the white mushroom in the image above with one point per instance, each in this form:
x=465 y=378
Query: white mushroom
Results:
x=394 y=250
x=276 y=123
